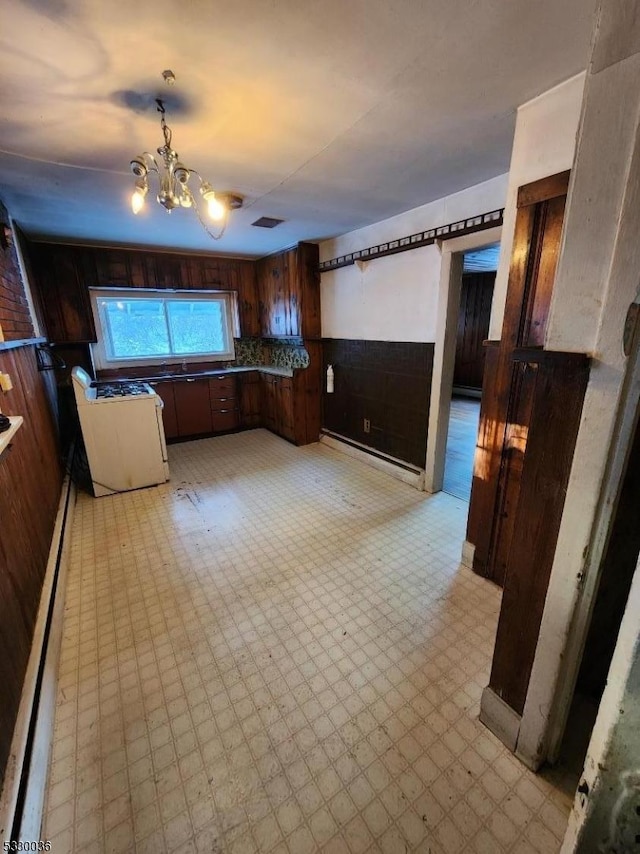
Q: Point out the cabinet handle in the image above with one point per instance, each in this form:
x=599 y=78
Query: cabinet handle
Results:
x=191 y=381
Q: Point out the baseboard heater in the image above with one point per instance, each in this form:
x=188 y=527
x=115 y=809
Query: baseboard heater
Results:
x=25 y=780
x=392 y=465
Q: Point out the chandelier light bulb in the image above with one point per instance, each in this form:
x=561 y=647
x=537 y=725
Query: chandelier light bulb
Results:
x=216 y=209
x=137 y=197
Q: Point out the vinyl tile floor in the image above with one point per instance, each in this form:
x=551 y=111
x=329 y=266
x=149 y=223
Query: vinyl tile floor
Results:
x=278 y=652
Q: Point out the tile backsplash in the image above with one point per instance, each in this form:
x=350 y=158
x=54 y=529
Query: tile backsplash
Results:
x=255 y=351
x=249 y=351
x=285 y=355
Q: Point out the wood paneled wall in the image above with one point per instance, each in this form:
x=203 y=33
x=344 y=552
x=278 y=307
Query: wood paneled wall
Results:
x=386 y=382
x=64 y=273
x=473 y=328
x=30 y=480
x=550 y=393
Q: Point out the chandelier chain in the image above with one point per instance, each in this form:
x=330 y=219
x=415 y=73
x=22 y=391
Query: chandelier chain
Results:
x=204 y=224
x=166 y=130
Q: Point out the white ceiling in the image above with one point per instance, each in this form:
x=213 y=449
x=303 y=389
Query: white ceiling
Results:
x=330 y=114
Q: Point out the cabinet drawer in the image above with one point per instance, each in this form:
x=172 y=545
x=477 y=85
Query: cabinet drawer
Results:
x=225 y=419
x=220 y=404
x=222 y=386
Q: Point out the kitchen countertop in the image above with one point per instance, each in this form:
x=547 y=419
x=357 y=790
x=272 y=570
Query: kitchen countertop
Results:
x=214 y=372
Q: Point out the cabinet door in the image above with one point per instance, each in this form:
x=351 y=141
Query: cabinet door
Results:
x=248 y=300
x=268 y=391
x=284 y=401
x=166 y=392
x=193 y=407
x=249 y=392
x=272 y=298
x=308 y=290
x=291 y=292
x=279 y=301
x=262 y=290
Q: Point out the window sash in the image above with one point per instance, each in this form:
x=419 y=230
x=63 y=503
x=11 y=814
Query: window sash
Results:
x=104 y=351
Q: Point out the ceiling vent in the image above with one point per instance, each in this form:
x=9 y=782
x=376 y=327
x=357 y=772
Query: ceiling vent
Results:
x=267 y=222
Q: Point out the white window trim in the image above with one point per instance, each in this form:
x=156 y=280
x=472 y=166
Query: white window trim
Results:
x=99 y=355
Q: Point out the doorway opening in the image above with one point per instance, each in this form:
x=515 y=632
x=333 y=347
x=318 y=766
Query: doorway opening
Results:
x=474 y=313
x=451 y=273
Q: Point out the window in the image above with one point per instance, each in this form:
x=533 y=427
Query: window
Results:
x=158 y=326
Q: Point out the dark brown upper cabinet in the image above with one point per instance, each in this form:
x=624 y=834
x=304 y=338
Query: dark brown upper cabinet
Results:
x=289 y=293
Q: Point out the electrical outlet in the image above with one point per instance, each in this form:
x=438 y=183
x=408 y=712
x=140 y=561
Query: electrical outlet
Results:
x=367 y=425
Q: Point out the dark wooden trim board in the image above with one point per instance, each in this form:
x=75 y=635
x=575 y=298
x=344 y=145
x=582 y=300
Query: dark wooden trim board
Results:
x=544 y=189
x=21 y=342
x=413 y=241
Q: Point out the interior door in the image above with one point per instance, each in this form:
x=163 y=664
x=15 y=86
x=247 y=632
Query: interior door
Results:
x=473 y=328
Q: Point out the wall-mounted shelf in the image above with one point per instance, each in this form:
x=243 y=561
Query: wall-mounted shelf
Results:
x=5 y=438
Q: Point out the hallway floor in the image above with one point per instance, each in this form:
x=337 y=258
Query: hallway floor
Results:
x=277 y=651
x=461 y=446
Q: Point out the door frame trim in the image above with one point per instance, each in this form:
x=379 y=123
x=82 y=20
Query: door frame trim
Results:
x=445 y=348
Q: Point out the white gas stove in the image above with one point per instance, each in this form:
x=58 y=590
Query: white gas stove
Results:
x=123 y=433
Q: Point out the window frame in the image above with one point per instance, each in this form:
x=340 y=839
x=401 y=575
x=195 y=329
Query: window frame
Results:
x=100 y=351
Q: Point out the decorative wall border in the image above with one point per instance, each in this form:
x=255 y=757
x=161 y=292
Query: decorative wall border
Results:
x=413 y=241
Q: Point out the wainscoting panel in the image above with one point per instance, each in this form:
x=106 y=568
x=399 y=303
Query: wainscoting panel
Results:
x=387 y=383
x=30 y=480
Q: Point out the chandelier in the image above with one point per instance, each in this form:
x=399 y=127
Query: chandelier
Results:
x=173 y=180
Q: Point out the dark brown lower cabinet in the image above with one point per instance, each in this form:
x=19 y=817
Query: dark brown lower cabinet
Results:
x=288 y=406
x=249 y=399
x=193 y=407
x=224 y=403
x=284 y=408
x=268 y=401
x=278 y=406
x=169 y=417
x=225 y=420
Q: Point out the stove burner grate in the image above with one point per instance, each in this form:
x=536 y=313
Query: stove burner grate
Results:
x=124 y=389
